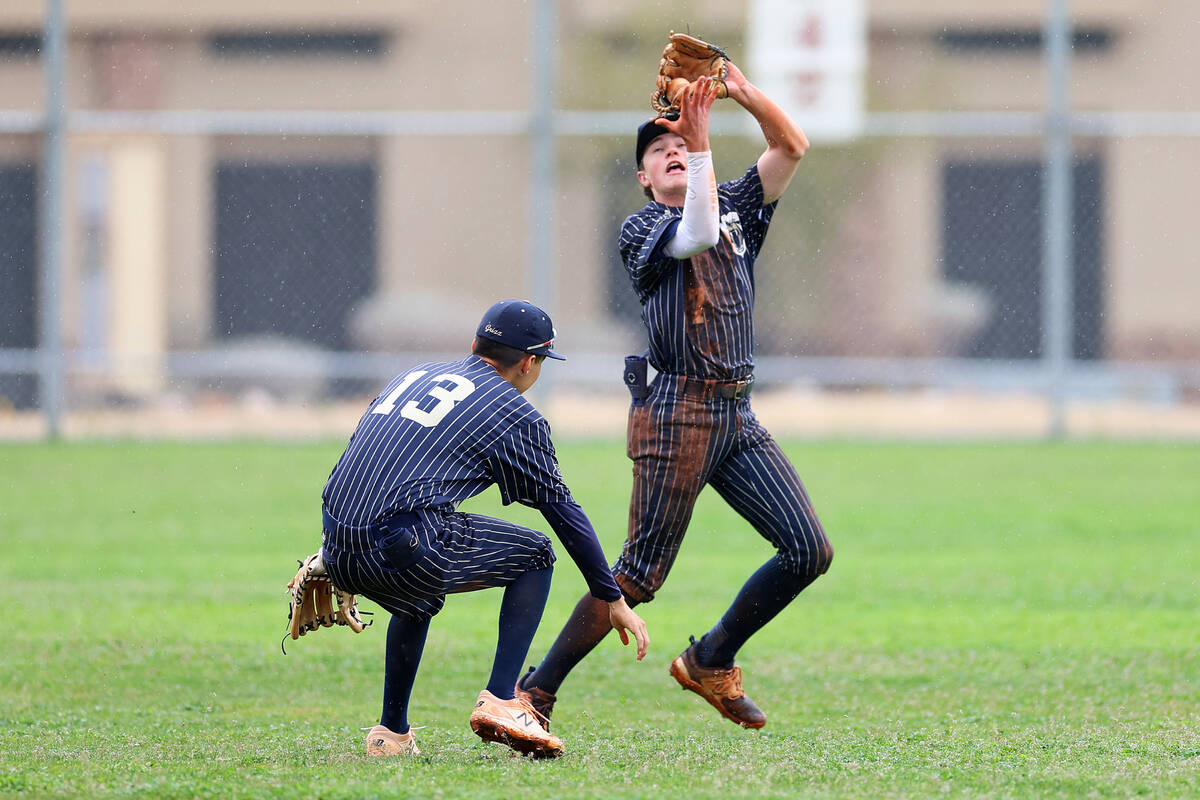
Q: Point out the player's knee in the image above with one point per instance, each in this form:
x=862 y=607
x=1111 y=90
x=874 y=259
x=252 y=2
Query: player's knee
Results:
x=634 y=592
x=824 y=556
x=810 y=560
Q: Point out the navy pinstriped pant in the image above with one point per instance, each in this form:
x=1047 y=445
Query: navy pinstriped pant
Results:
x=680 y=442
x=409 y=562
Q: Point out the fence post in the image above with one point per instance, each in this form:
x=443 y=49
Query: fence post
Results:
x=1057 y=202
x=542 y=154
x=50 y=233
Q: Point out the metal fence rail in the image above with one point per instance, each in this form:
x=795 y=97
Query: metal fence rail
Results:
x=1033 y=341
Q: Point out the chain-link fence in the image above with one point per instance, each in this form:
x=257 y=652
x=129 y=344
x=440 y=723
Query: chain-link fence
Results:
x=295 y=258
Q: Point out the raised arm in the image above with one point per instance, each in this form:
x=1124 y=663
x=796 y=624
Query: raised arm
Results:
x=699 y=228
x=786 y=143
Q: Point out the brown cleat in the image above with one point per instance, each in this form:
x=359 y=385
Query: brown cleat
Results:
x=720 y=687
x=383 y=742
x=514 y=723
x=542 y=701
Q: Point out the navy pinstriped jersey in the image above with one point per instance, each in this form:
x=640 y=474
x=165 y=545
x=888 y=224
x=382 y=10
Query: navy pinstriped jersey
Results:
x=438 y=434
x=699 y=311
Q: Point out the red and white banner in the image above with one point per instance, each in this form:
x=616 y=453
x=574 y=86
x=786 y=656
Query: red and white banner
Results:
x=810 y=56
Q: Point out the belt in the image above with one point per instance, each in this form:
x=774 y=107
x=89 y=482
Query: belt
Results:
x=402 y=519
x=703 y=389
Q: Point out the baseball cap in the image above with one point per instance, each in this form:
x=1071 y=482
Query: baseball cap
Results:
x=648 y=131
x=520 y=325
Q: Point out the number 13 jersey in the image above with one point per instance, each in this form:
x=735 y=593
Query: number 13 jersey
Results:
x=438 y=434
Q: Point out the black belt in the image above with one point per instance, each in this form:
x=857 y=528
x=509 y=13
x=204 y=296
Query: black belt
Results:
x=402 y=519
x=703 y=389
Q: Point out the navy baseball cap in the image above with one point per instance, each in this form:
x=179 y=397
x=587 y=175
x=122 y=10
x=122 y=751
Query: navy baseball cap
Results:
x=648 y=131
x=520 y=325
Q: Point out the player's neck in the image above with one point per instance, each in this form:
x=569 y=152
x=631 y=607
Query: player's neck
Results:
x=495 y=365
x=510 y=374
x=674 y=199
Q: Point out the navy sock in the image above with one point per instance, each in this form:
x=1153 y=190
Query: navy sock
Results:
x=520 y=613
x=767 y=592
x=405 y=643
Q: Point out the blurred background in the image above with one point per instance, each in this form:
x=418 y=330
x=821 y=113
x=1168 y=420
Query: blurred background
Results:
x=242 y=218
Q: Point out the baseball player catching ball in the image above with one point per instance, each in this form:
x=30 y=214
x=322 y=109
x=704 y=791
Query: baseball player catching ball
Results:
x=436 y=435
x=690 y=253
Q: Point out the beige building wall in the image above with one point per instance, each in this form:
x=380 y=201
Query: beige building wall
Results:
x=1150 y=183
x=453 y=211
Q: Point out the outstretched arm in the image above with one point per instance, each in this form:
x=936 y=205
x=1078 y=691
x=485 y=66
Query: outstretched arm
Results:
x=786 y=143
x=578 y=536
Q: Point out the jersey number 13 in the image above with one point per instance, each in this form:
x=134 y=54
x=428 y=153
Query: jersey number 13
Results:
x=446 y=398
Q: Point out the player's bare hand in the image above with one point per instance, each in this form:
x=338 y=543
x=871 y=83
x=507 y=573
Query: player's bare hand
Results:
x=625 y=621
x=694 y=106
x=735 y=81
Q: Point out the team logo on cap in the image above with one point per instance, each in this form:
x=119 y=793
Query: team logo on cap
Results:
x=491 y=330
x=549 y=344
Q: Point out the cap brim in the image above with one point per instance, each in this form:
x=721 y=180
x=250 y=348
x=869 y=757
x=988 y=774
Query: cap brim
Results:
x=647 y=133
x=554 y=355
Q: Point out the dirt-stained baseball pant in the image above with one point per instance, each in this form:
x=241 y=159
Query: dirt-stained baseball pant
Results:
x=686 y=436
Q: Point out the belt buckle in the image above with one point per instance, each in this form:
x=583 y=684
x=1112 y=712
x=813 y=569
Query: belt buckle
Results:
x=742 y=388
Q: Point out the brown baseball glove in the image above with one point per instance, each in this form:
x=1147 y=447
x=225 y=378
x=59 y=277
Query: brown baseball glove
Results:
x=311 y=598
x=684 y=60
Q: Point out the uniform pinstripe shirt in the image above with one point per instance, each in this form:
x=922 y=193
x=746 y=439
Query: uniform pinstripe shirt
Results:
x=699 y=311
x=438 y=434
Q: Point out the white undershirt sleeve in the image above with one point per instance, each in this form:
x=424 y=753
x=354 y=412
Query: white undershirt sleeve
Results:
x=699 y=229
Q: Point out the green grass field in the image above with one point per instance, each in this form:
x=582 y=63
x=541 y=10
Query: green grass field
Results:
x=1005 y=620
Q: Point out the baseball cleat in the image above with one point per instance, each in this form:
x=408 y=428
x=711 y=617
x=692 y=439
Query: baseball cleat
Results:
x=542 y=701
x=383 y=742
x=720 y=687
x=513 y=723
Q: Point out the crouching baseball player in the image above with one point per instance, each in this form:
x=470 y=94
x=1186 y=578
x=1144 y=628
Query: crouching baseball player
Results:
x=436 y=435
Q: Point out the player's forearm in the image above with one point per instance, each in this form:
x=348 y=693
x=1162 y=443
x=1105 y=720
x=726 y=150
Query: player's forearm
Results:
x=780 y=131
x=700 y=227
x=577 y=535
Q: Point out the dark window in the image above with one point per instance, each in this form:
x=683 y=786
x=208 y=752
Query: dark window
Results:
x=361 y=44
x=20 y=45
x=296 y=250
x=18 y=275
x=971 y=40
x=993 y=239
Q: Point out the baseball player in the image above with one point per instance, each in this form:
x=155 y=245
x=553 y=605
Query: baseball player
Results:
x=436 y=435
x=690 y=253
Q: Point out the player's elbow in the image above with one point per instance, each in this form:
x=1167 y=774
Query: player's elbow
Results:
x=796 y=148
x=707 y=240
x=695 y=249
x=688 y=243
x=793 y=146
